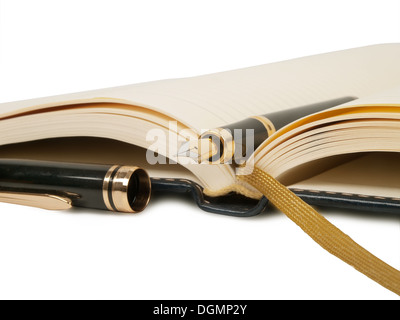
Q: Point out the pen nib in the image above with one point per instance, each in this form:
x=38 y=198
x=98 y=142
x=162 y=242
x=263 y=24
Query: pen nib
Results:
x=189 y=149
x=194 y=149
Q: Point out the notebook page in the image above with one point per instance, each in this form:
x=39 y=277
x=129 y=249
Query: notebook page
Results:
x=213 y=100
x=388 y=97
x=373 y=174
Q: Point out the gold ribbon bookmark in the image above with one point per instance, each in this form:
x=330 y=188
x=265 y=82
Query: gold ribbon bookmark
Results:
x=323 y=232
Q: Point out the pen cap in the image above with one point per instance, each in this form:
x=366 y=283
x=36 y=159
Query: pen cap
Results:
x=116 y=188
x=126 y=189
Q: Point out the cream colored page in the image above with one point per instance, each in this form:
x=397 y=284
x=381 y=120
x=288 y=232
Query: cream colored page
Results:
x=212 y=100
x=376 y=174
x=383 y=105
x=386 y=97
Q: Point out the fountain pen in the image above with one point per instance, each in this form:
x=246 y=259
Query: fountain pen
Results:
x=59 y=186
x=220 y=145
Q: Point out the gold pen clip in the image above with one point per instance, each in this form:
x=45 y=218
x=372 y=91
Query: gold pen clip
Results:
x=37 y=200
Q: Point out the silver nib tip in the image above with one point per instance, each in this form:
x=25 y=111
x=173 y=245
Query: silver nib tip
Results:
x=187 y=149
x=199 y=150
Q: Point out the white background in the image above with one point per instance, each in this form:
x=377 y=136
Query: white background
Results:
x=173 y=250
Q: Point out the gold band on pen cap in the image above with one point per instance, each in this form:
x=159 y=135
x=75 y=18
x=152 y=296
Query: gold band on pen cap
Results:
x=126 y=189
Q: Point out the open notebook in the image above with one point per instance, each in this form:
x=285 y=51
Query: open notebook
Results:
x=345 y=156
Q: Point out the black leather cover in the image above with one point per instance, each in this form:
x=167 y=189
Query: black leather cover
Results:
x=240 y=206
x=232 y=204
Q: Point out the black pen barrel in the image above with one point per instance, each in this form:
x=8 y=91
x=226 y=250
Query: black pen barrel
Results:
x=233 y=139
x=106 y=187
x=285 y=117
